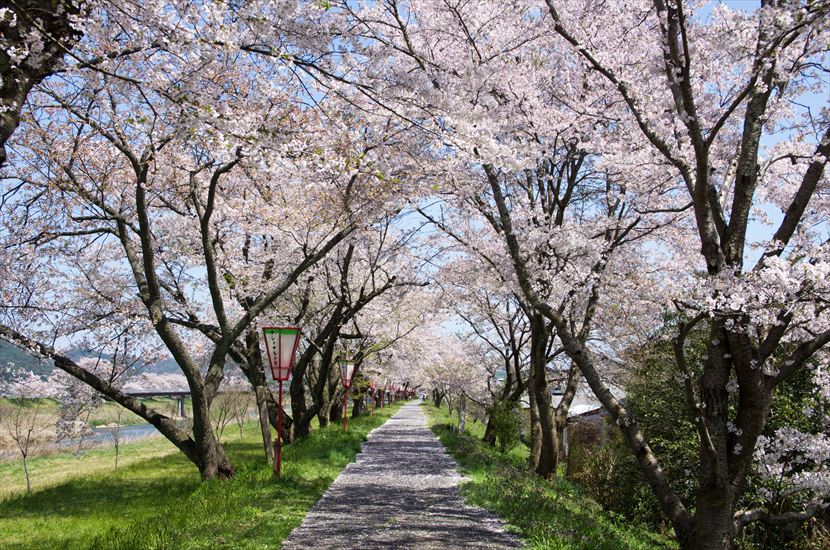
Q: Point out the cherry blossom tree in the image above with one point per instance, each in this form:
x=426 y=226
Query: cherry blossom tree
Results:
x=456 y=369
x=339 y=304
x=497 y=323
x=132 y=180
x=678 y=150
x=34 y=37
x=24 y=414
x=476 y=81
x=701 y=115
x=378 y=335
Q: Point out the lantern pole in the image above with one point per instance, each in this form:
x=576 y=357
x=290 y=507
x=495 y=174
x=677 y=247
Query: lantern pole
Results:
x=345 y=397
x=347 y=367
x=277 y=462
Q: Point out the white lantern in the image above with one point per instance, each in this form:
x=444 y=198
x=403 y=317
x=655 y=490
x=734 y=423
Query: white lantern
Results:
x=281 y=344
x=346 y=372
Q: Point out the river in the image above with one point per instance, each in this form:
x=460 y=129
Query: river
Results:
x=99 y=437
x=104 y=435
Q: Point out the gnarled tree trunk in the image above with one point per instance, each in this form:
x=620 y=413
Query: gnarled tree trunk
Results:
x=549 y=447
x=560 y=416
x=489 y=432
x=535 y=428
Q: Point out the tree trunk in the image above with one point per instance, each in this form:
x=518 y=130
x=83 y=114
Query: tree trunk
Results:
x=300 y=413
x=462 y=405
x=562 y=455
x=26 y=473
x=560 y=416
x=212 y=460
x=330 y=395
x=320 y=387
x=303 y=414
x=437 y=397
x=449 y=412
x=357 y=408
x=264 y=423
x=326 y=413
x=301 y=426
x=336 y=409
x=549 y=444
x=274 y=419
x=489 y=432
x=712 y=526
x=535 y=428
x=548 y=452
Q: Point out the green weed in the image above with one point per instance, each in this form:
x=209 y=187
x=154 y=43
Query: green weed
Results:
x=544 y=516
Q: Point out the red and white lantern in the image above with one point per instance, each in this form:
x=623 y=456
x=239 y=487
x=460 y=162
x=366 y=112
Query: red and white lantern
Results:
x=346 y=372
x=281 y=344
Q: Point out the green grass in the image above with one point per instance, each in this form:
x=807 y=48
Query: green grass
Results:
x=55 y=469
x=158 y=502
x=561 y=518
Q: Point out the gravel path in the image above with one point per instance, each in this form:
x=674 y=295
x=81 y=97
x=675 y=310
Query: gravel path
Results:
x=401 y=492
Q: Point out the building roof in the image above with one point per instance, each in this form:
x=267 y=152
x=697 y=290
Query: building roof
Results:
x=584 y=401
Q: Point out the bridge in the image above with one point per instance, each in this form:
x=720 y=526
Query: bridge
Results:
x=178 y=395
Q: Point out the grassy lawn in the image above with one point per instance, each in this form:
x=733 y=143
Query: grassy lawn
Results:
x=543 y=517
x=157 y=500
x=55 y=469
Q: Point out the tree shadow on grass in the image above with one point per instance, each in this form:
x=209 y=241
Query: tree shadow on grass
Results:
x=59 y=516
x=252 y=509
x=162 y=503
x=546 y=517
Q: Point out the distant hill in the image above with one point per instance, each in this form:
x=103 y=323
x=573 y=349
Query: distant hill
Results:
x=168 y=366
x=19 y=360
x=22 y=361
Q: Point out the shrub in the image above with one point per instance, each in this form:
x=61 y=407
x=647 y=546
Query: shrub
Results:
x=507 y=424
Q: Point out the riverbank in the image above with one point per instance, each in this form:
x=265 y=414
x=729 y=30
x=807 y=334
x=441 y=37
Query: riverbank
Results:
x=100 y=437
x=42 y=416
x=59 y=466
